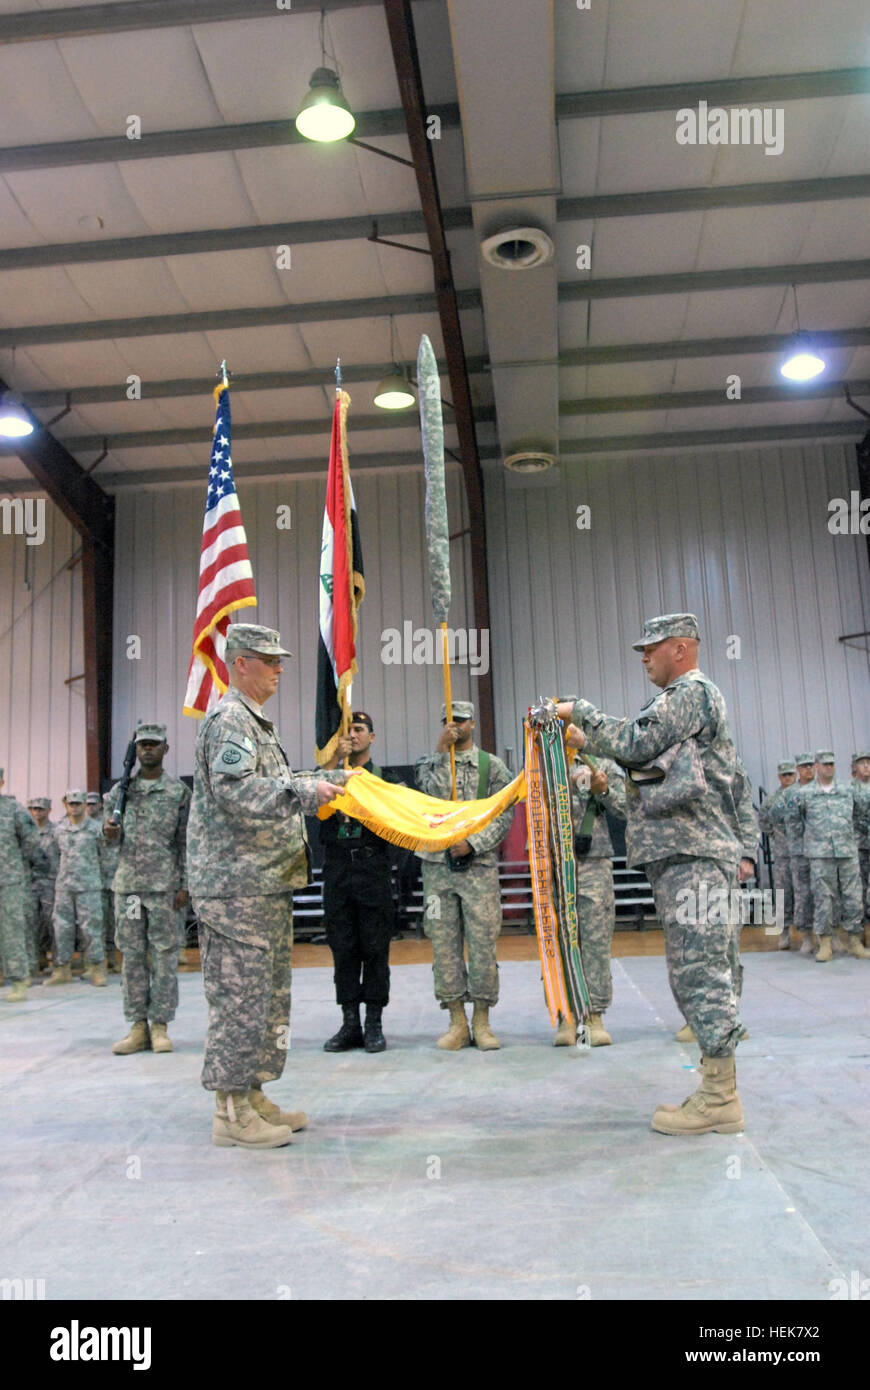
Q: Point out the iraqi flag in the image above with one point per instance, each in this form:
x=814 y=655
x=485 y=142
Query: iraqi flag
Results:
x=341 y=590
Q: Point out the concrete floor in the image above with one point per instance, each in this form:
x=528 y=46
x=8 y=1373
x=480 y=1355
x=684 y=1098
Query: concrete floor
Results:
x=525 y=1173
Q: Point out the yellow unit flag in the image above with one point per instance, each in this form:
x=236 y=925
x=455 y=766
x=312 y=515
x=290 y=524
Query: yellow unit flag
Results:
x=414 y=821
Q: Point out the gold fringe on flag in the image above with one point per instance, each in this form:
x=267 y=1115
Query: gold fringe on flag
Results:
x=413 y=821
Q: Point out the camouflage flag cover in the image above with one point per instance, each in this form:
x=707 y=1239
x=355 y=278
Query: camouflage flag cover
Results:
x=432 y=426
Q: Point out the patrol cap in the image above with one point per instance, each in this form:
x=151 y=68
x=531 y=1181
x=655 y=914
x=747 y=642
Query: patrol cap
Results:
x=74 y=794
x=668 y=625
x=786 y=767
x=150 y=733
x=824 y=755
x=360 y=717
x=251 y=637
x=856 y=757
x=462 y=709
x=39 y=803
x=94 y=799
x=803 y=759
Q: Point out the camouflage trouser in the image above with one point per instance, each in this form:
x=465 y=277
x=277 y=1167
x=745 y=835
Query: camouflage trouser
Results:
x=247 y=988
x=803 y=894
x=14 y=901
x=456 y=906
x=145 y=934
x=596 y=919
x=181 y=929
x=836 y=895
x=782 y=883
x=864 y=862
x=704 y=968
x=84 y=910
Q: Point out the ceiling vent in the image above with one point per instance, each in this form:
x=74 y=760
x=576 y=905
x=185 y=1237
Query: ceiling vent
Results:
x=518 y=248
x=529 y=461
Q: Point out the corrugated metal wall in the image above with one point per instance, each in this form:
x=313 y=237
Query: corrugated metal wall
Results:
x=155 y=599
x=739 y=538
x=42 y=719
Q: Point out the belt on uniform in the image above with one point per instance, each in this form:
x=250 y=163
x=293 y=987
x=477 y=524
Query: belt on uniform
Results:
x=356 y=852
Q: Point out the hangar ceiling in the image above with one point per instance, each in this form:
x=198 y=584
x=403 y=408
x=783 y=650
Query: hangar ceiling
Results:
x=157 y=256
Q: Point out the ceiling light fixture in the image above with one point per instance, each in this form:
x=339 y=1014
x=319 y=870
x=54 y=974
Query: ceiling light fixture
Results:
x=15 y=423
x=802 y=362
x=325 y=115
x=395 y=392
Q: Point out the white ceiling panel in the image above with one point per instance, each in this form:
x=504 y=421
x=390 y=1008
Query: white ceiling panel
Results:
x=281 y=348
x=161 y=80
x=298 y=183
x=56 y=201
x=127 y=289
x=41 y=296
x=640 y=152
x=258 y=407
x=621 y=379
x=12 y=469
x=837 y=231
x=73 y=364
x=599 y=426
x=188 y=192
x=659 y=317
x=160 y=357
x=733 y=237
x=581 y=47
x=657 y=245
x=780 y=36
x=734 y=415
x=579 y=151
x=16 y=229
x=852 y=151
x=670 y=41
x=39 y=101
x=726 y=313
x=809 y=131
x=229 y=279
x=843 y=305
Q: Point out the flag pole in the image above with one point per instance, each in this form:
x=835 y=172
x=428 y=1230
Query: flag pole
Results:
x=345 y=703
x=448 y=704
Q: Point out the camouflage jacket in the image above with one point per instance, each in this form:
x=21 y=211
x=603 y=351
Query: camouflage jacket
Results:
x=786 y=814
x=21 y=851
x=613 y=800
x=80 y=869
x=110 y=851
x=432 y=775
x=862 y=831
x=45 y=878
x=830 y=819
x=690 y=707
x=746 y=823
x=151 y=858
x=771 y=822
x=246 y=833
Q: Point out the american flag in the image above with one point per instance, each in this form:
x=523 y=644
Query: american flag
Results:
x=226 y=580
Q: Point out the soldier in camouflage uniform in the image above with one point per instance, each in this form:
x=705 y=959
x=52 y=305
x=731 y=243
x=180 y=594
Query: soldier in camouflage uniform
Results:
x=21 y=854
x=773 y=827
x=42 y=884
x=830 y=812
x=460 y=886
x=108 y=864
x=784 y=815
x=861 y=777
x=682 y=831
x=78 y=896
x=246 y=852
x=594 y=791
x=150 y=887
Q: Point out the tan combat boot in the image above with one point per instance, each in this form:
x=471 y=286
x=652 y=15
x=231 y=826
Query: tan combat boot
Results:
x=60 y=975
x=484 y=1038
x=160 y=1039
x=784 y=943
x=825 y=951
x=566 y=1033
x=272 y=1114
x=809 y=944
x=135 y=1041
x=854 y=947
x=598 y=1034
x=685 y=1034
x=96 y=974
x=236 y=1122
x=18 y=992
x=457 y=1034
x=715 y=1106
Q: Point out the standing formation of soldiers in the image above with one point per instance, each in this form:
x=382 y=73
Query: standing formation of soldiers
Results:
x=819 y=830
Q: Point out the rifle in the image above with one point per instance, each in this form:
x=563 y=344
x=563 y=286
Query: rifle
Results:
x=124 y=785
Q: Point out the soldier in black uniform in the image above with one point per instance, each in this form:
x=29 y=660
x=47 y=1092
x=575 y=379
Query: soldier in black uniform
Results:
x=358 y=906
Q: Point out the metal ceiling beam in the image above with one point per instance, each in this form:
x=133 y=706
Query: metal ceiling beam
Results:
x=400 y=25
x=86 y=20
x=325 y=376
x=330 y=311
x=596 y=206
x=92 y=513
x=265 y=429
x=216 y=320
x=694 y=400
x=708 y=439
x=570 y=105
